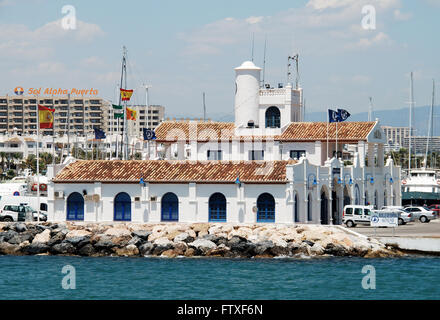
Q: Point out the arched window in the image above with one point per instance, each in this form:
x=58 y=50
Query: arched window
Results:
x=273 y=117
x=385 y=198
x=170 y=207
x=296 y=208
x=75 y=206
x=266 y=208
x=357 y=195
x=217 y=207
x=309 y=208
x=122 y=207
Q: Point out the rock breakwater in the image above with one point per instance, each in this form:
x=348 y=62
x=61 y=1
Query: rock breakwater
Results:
x=189 y=240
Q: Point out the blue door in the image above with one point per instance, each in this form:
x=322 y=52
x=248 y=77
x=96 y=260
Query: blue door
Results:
x=170 y=207
x=75 y=206
x=266 y=208
x=217 y=207
x=122 y=207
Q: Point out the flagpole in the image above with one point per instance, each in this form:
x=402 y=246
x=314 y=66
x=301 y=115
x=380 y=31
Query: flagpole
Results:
x=327 y=136
x=38 y=165
x=336 y=139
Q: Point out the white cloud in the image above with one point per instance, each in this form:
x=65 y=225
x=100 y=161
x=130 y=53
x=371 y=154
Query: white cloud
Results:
x=320 y=27
x=401 y=16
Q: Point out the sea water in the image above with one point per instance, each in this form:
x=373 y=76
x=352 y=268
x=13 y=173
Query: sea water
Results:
x=41 y=277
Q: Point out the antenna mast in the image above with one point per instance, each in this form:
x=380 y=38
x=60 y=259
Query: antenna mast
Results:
x=289 y=59
x=264 y=60
x=370 y=110
x=204 y=108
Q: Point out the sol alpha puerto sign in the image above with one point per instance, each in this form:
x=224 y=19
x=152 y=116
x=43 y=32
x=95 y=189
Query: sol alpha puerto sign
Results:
x=384 y=219
x=56 y=91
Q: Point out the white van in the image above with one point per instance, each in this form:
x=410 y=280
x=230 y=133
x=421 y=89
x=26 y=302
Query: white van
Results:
x=31 y=201
x=356 y=214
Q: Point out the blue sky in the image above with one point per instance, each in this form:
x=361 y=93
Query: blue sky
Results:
x=183 y=48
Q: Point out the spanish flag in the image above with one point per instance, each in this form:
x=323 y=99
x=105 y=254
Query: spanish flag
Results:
x=131 y=114
x=126 y=94
x=45 y=117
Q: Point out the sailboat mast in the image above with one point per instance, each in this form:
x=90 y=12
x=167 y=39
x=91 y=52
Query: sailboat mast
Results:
x=410 y=122
x=430 y=126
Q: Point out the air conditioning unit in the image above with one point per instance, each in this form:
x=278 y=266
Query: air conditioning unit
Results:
x=153 y=198
x=59 y=194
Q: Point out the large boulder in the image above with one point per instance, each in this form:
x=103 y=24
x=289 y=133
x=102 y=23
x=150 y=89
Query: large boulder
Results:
x=183 y=236
x=317 y=249
x=128 y=251
x=87 y=250
x=78 y=233
x=9 y=249
x=56 y=238
x=201 y=227
x=20 y=227
x=36 y=248
x=143 y=234
x=170 y=253
x=136 y=241
x=202 y=245
x=104 y=243
x=146 y=248
x=21 y=237
x=263 y=247
x=63 y=248
x=118 y=232
x=7 y=235
x=161 y=245
x=42 y=237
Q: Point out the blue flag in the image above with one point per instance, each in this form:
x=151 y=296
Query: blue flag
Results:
x=149 y=134
x=343 y=114
x=333 y=116
x=99 y=134
x=237 y=181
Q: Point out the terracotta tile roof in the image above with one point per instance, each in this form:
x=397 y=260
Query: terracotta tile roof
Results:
x=29 y=139
x=317 y=131
x=191 y=130
x=164 y=171
x=14 y=140
x=297 y=131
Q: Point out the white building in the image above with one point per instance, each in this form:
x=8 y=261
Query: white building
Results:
x=264 y=167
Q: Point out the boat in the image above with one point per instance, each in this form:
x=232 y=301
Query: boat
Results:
x=421 y=185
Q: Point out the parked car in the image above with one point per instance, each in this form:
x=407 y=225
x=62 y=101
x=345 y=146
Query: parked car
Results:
x=13 y=212
x=435 y=208
x=404 y=216
x=421 y=213
x=356 y=214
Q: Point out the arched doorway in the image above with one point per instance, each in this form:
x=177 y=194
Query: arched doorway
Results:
x=324 y=208
x=347 y=198
x=217 y=207
x=335 y=208
x=122 y=207
x=273 y=117
x=375 y=200
x=170 y=207
x=309 y=208
x=266 y=208
x=296 y=211
x=367 y=201
x=357 y=195
x=75 y=206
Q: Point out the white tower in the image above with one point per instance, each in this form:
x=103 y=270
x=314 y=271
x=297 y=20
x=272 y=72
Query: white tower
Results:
x=247 y=94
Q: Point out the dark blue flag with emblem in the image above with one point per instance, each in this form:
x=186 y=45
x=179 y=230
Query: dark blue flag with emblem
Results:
x=149 y=134
x=99 y=134
x=343 y=114
x=333 y=116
